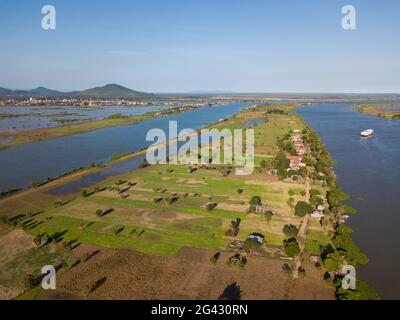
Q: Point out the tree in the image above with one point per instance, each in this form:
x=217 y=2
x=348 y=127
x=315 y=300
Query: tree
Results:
x=302 y=208
x=291 y=247
x=281 y=163
x=255 y=201
x=231 y=292
x=99 y=213
x=290 y=231
x=333 y=261
x=268 y=216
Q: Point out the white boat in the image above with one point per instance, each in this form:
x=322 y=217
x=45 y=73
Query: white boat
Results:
x=367 y=133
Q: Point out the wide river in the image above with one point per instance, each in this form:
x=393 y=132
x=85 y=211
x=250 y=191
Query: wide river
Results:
x=369 y=171
x=23 y=164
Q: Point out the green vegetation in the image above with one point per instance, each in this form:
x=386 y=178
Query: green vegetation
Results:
x=290 y=231
x=291 y=247
x=302 y=208
x=362 y=292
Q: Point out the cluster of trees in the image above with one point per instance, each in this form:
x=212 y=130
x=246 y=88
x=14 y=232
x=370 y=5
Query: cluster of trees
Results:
x=335 y=198
x=286 y=145
x=276 y=111
x=302 y=208
x=281 y=164
x=254 y=202
x=237 y=260
x=347 y=248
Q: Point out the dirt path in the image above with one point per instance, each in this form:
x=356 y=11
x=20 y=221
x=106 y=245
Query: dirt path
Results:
x=301 y=237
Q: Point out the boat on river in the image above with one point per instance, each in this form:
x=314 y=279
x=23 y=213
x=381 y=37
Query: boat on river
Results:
x=367 y=133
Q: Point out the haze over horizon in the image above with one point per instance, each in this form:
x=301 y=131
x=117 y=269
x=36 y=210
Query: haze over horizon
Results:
x=180 y=46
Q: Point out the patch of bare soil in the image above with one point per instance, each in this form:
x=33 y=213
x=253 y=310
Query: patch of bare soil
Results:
x=124 y=274
x=13 y=242
x=191 y=181
x=308 y=289
x=232 y=207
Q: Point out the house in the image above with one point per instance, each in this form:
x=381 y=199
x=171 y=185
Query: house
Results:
x=295 y=163
x=318 y=215
x=262 y=209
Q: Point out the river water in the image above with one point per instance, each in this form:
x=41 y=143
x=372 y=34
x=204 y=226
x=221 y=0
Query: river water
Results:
x=369 y=171
x=23 y=164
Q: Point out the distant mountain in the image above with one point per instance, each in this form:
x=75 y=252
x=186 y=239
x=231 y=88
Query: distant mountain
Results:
x=109 y=91
x=44 y=91
x=113 y=91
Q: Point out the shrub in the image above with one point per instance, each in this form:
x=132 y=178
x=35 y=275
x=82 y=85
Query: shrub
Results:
x=239 y=191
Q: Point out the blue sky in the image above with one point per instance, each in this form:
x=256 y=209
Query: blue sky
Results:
x=185 y=45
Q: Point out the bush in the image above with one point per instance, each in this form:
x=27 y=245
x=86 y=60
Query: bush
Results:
x=214 y=258
x=211 y=206
x=239 y=191
x=255 y=201
x=302 y=208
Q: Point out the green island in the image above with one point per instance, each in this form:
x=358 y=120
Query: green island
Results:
x=183 y=232
x=381 y=110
